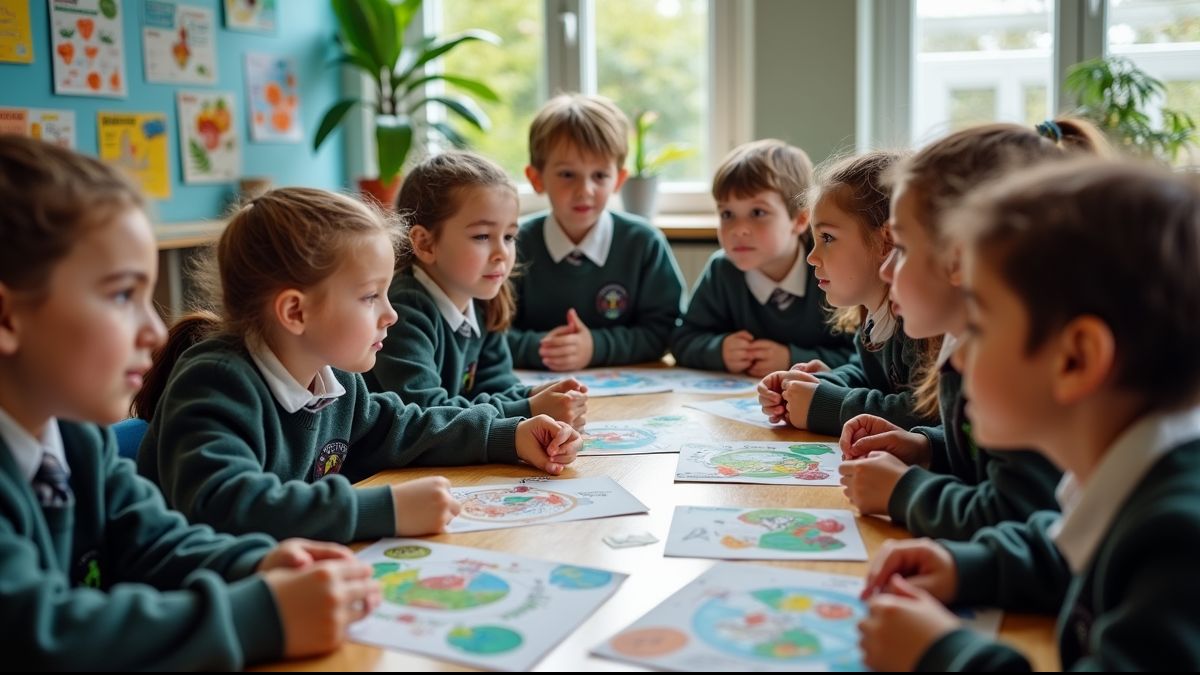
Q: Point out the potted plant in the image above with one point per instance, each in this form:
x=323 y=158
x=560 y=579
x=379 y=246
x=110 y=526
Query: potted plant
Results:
x=371 y=34
x=1113 y=93
x=640 y=190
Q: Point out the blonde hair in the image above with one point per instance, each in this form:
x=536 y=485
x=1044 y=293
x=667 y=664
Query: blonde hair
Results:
x=593 y=124
x=433 y=192
x=287 y=238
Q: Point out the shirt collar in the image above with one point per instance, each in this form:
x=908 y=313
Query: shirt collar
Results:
x=794 y=282
x=949 y=344
x=883 y=323
x=595 y=243
x=290 y=394
x=453 y=315
x=1088 y=511
x=27 y=449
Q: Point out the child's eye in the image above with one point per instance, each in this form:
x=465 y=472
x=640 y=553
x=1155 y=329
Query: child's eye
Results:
x=510 y=238
x=726 y=215
x=123 y=296
x=826 y=238
x=566 y=174
x=480 y=237
x=370 y=299
x=758 y=213
x=602 y=176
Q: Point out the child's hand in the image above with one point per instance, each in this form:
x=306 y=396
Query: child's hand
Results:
x=318 y=602
x=797 y=398
x=547 y=444
x=300 y=553
x=735 y=351
x=924 y=563
x=564 y=400
x=814 y=366
x=770 y=392
x=767 y=356
x=869 y=482
x=567 y=347
x=864 y=434
x=902 y=624
x=574 y=385
x=423 y=506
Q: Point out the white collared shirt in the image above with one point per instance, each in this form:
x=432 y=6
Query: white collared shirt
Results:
x=1089 y=510
x=884 y=323
x=595 y=243
x=453 y=315
x=290 y=394
x=27 y=449
x=949 y=344
x=794 y=282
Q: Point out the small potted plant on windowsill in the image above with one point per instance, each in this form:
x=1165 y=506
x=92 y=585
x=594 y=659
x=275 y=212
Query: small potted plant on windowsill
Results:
x=371 y=35
x=640 y=191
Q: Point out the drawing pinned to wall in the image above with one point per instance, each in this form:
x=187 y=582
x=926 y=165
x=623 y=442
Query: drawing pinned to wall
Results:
x=274 y=103
x=772 y=463
x=52 y=126
x=256 y=16
x=179 y=43
x=536 y=501
x=209 y=147
x=764 y=534
x=663 y=433
x=744 y=410
x=16 y=32
x=89 y=48
x=482 y=608
x=137 y=144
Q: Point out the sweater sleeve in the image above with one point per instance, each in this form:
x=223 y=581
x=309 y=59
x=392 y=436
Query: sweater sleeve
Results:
x=696 y=343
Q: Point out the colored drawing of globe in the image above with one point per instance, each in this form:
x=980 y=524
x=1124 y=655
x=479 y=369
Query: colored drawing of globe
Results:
x=720 y=384
x=517 y=504
x=446 y=588
x=791 y=626
x=766 y=463
x=617 y=438
x=613 y=380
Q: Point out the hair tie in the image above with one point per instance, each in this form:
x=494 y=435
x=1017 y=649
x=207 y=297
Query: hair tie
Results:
x=1050 y=129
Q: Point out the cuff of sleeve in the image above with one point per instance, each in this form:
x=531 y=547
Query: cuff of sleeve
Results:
x=502 y=440
x=937 y=447
x=905 y=492
x=825 y=411
x=256 y=621
x=517 y=408
x=247 y=563
x=976 y=570
x=376 y=513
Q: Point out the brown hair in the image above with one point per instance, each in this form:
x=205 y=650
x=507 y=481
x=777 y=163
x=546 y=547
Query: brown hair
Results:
x=939 y=175
x=767 y=165
x=594 y=124
x=287 y=238
x=433 y=192
x=48 y=197
x=856 y=185
x=1053 y=227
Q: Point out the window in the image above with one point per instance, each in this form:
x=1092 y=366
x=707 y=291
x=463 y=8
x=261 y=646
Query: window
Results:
x=980 y=61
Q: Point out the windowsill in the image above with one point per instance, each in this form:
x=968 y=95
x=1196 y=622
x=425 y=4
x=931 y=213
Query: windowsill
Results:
x=688 y=226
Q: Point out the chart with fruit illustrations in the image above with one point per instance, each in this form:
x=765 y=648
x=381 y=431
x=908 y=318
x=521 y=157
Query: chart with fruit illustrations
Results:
x=88 y=47
x=179 y=43
x=209 y=147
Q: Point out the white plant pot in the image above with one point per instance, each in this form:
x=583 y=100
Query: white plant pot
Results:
x=639 y=195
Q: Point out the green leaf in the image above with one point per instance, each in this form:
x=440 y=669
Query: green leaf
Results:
x=450 y=134
x=199 y=156
x=356 y=19
x=464 y=107
x=332 y=118
x=403 y=11
x=435 y=48
x=672 y=152
x=475 y=87
x=393 y=140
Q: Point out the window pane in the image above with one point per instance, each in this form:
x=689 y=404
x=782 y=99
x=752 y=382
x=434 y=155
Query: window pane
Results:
x=653 y=55
x=980 y=61
x=514 y=70
x=1163 y=38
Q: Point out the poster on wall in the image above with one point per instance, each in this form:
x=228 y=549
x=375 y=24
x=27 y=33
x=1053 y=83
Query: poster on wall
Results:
x=88 y=47
x=137 y=144
x=209 y=148
x=273 y=99
x=16 y=34
x=52 y=126
x=257 y=16
x=179 y=43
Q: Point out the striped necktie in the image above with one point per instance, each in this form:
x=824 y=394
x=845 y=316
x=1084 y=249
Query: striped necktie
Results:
x=50 y=483
x=782 y=298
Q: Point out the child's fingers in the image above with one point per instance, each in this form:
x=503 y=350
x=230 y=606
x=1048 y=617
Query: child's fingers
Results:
x=557 y=349
x=774 y=410
x=324 y=550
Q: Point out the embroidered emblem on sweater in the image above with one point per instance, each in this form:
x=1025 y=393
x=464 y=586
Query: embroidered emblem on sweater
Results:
x=612 y=301
x=468 y=379
x=330 y=459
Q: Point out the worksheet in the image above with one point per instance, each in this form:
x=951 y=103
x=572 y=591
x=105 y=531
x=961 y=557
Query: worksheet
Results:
x=733 y=533
x=769 y=462
x=536 y=501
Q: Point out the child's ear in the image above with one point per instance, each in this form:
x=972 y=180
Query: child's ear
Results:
x=535 y=179
x=954 y=266
x=800 y=222
x=421 y=240
x=289 y=308
x=9 y=325
x=1087 y=352
x=622 y=174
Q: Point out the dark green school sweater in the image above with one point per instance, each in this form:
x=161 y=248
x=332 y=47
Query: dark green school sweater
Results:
x=428 y=363
x=967 y=488
x=116 y=581
x=226 y=454
x=630 y=305
x=722 y=304
x=876 y=383
x=1136 y=605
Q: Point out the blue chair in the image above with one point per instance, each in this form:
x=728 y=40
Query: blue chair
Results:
x=129 y=436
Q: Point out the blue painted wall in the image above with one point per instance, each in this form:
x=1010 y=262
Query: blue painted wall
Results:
x=304 y=31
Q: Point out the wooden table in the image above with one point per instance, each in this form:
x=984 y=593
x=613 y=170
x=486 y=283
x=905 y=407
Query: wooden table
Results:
x=652 y=577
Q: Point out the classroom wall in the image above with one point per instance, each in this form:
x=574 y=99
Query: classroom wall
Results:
x=804 y=77
x=305 y=32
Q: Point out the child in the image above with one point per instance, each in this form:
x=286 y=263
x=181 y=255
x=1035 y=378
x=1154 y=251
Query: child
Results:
x=96 y=571
x=755 y=309
x=850 y=213
x=597 y=288
x=1101 y=376
x=257 y=431
x=934 y=480
x=454 y=262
